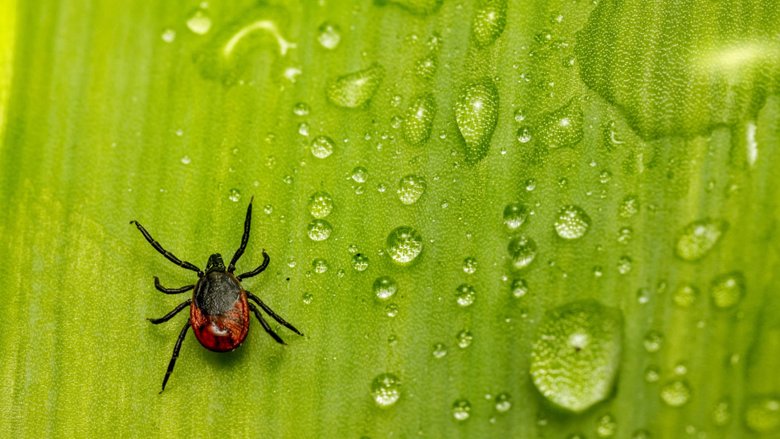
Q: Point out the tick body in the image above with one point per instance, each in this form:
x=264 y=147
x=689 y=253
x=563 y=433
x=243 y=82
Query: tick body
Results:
x=220 y=306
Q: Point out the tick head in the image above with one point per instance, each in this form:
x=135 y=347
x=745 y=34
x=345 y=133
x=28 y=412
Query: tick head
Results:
x=215 y=264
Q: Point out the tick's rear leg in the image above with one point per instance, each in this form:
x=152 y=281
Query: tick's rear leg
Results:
x=258 y=270
x=244 y=238
x=271 y=313
x=168 y=255
x=265 y=324
x=170 y=315
x=171 y=290
x=175 y=355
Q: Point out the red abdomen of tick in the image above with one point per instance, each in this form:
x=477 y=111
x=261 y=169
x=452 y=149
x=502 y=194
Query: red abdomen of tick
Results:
x=225 y=328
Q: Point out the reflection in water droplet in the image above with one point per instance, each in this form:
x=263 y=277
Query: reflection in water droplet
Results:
x=404 y=245
x=576 y=354
x=698 y=238
x=301 y=109
x=391 y=310
x=307 y=298
x=572 y=222
x=386 y=389
x=359 y=174
x=652 y=341
x=355 y=89
x=461 y=410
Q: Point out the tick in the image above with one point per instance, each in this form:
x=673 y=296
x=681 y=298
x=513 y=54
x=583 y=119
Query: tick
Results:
x=219 y=307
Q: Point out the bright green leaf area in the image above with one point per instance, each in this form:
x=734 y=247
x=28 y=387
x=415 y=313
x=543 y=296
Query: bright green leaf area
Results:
x=642 y=152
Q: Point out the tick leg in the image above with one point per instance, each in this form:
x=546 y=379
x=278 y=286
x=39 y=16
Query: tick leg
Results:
x=244 y=239
x=265 y=325
x=175 y=354
x=271 y=312
x=170 y=315
x=168 y=255
x=171 y=290
x=258 y=270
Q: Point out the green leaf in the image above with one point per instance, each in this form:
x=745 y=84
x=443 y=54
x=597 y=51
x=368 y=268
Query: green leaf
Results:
x=436 y=184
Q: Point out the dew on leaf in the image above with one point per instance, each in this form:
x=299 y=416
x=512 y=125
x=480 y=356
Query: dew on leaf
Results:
x=488 y=22
x=199 y=22
x=572 y=222
x=411 y=188
x=503 y=402
x=439 y=350
x=465 y=295
x=329 y=35
x=515 y=214
x=385 y=287
x=675 y=393
x=576 y=354
x=386 y=389
x=685 y=295
x=319 y=265
x=762 y=413
x=606 y=426
x=417 y=7
x=629 y=206
x=359 y=262
x=418 y=119
x=404 y=245
x=470 y=265
x=464 y=337
x=234 y=195
x=322 y=147
x=652 y=341
x=476 y=114
x=727 y=289
x=698 y=238
x=359 y=174
x=320 y=204
x=319 y=230
x=519 y=288
x=461 y=410
x=562 y=127
x=522 y=250
x=355 y=89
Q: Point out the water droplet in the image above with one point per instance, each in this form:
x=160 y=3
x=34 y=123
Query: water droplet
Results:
x=476 y=113
x=522 y=250
x=439 y=350
x=685 y=295
x=404 y=245
x=727 y=289
x=488 y=22
x=721 y=414
x=385 y=287
x=330 y=35
x=576 y=354
x=698 y=238
x=470 y=265
x=465 y=295
x=629 y=206
x=234 y=195
x=461 y=410
x=186 y=160
x=465 y=338
x=168 y=35
x=652 y=374
x=624 y=235
x=391 y=310
x=199 y=22
x=359 y=174
x=562 y=127
x=322 y=147
x=301 y=109
x=652 y=341
x=426 y=67
x=675 y=393
x=641 y=434
x=386 y=389
x=606 y=426
x=359 y=262
x=624 y=265
x=572 y=222
x=418 y=119
x=307 y=298
x=762 y=414
x=355 y=89
x=320 y=204
x=319 y=230
x=519 y=288
x=524 y=135
x=503 y=402
x=319 y=265
x=411 y=188
x=515 y=215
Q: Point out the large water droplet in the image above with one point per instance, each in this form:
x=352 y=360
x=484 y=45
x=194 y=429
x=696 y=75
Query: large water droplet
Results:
x=562 y=127
x=411 y=188
x=727 y=289
x=404 y=245
x=576 y=354
x=762 y=414
x=515 y=215
x=320 y=204
x=699 y=237
x=319 y=230
x=355 y=89
x=522 y=250
x=385 y=287
x=386 y=389
x=572 y=222
x=418 y=120
x=476 y=113
x=461 y=410
x=488 y=22
x=322 y=147
x=676 y=393
x=329 y=35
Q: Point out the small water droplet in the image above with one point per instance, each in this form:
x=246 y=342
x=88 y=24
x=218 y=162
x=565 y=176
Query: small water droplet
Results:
x=652 y=341
x=319 y=265
x=385 y=287
x=465 y=338
x=503 y=402
x=572 y=222
x=624 y=265
x=359 y=174
x=418 y=119
x=652 y=374
x=301 y=109
x=762 y=413
x=461 y=410
x=359 y=262
x=721 y=414
x=426 y=67
x=391 y=310
x=685 y=295
x=168 y=35
x=355 y=89
x=519 y=288
x=322 y=146
x=629 y=206
x=329 y=35
x=488 y=22
x=439 y=350
x=465 y=295
x=727 y=289
x=476 y=114
x=268 y=209
x=320 y=204
x=470 y=265
x=404 y=245
x=199 y=22
x=411 y=188
x=641 y=434
x=576 y=354
x=319 y=230
x=234 y=195
x=675 y=393
x=606 y=426
x=522 y=250
x=624 y=235
x=386 y=389
x=562 y=127
x=515 y=214
x=698 y=238
x=186 y=160
x=307 y=298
